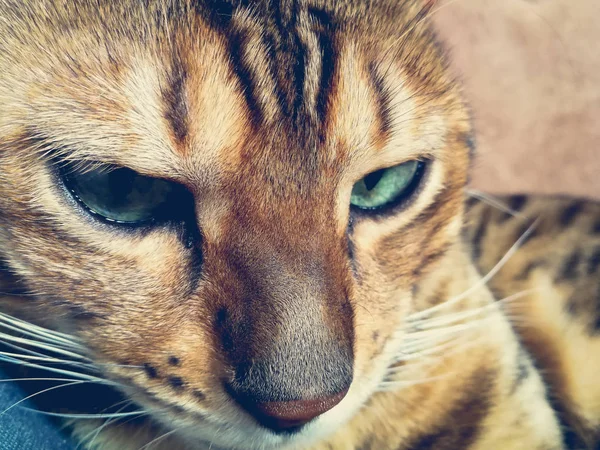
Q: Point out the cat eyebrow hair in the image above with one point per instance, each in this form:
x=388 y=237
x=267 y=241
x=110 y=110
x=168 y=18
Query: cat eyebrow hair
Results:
x=55 y=151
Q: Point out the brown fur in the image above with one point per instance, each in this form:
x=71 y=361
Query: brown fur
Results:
x=267 y=114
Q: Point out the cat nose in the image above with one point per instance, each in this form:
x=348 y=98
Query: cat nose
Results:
x=289 y=416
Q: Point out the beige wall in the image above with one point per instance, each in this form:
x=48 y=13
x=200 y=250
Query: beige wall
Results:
x=531 y=71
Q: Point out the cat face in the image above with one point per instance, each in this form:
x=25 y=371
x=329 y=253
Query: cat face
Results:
x=236 y=204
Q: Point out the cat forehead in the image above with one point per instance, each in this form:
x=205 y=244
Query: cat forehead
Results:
x=205 y=97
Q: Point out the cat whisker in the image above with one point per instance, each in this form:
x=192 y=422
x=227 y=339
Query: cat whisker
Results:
x=449 y=349
x=53 y=341
x=160 y=438
x=29 y=325
x=422 y=348
x=78 y=375
x=443 y=331
x=399 y=384
x=432 y=332
x=6 y=380
x=41 y=345
x=486 y=198
x=72 y=383
x=82 y=416
x=96 y=431
x=437 y=321
x=483 y=280
x=51 y=334
x=23 y=350
x=426 y=354
x=48 y=360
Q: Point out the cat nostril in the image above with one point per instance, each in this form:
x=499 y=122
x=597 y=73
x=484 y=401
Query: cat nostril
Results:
x=292 y=415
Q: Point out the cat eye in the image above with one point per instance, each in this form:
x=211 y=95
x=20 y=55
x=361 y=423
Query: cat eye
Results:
x=386 y=187
x=124 y=196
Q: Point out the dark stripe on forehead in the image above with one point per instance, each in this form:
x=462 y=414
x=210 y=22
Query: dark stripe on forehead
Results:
x=326 y=37
x=176 y=109
x=281 y=27
x=219 y=14
x=237 y=42
x=292 y=55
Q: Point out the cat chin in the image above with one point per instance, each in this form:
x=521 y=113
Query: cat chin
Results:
x=254 y=437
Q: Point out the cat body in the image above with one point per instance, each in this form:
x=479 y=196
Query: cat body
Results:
x=272 y=300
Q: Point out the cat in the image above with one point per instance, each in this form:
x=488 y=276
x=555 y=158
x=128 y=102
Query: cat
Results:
x=249 y=219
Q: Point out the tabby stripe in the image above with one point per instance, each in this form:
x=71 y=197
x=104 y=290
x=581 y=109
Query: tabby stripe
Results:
x=480 y=233
x=237 y=42
x=430 y=259
x=176 y=111
x=462 y=424
x=77 y=311
x=470 y=202
x=515 y=204
x=300 y=74
x=271 y=46
x=351 y=252
x=290 y=61
x=570 y=213
x=569 y=269
x=594 y=261
x=596 y=323
x=525 y=228
x=328 y=60
x=367 y=444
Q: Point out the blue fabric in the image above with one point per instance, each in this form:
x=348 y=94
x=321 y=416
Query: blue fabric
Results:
x=21 y=429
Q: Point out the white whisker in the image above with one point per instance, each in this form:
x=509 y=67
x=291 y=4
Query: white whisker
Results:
x=4 y=380
x=41 y=345
x=159 y=438
x=63 y=337
x=482 y=281
x=395 y=385
x=96 y=432
x=41 y=392
x=86 y=416
x=49 y=360
x=427 y=323
x=40 y=337
x=45 y=359
x=79 y=375
x=494 y=202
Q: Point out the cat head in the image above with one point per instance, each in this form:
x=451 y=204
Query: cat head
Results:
x=231 y=206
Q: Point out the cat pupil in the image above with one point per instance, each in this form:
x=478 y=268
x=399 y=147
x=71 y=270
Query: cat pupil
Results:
x=373 y=179
x=120 y=185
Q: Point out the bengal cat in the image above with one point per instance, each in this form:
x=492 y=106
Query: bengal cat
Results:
x=249 y=219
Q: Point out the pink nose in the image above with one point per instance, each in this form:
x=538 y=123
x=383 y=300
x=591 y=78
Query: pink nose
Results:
x=291 y=416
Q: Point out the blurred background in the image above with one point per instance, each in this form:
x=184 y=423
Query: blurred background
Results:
x=531 y=71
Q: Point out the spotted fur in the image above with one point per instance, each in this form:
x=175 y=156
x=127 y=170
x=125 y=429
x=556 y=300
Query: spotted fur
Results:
x=268 y=112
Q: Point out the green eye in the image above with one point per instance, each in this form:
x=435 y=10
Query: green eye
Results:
x=122 y=195
x=386 y=186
